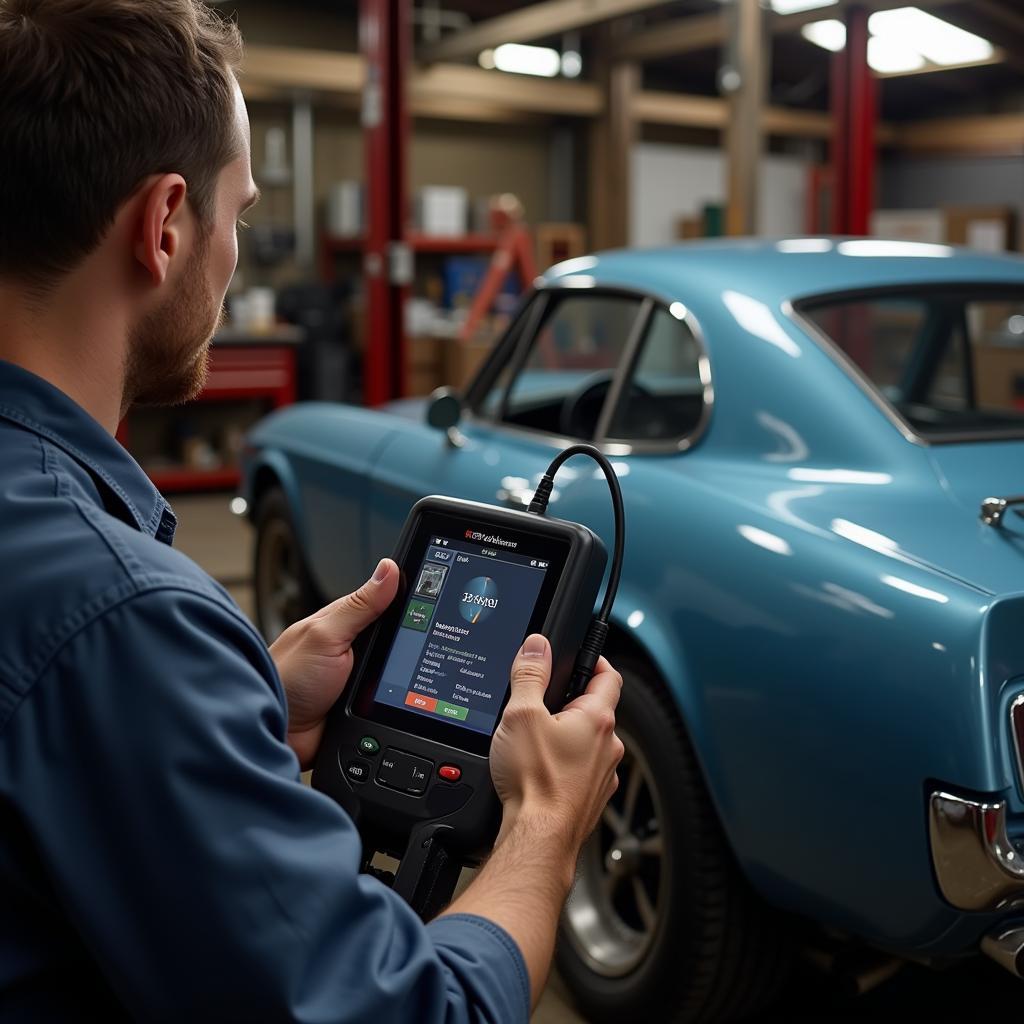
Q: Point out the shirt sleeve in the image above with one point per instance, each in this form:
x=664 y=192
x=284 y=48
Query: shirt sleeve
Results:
x=151 y=766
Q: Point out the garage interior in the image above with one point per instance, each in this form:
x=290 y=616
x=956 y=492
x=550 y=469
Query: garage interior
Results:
x=421 y=161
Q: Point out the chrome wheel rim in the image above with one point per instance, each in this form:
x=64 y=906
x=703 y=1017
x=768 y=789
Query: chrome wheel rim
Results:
x=278 y=579
x=616 y=904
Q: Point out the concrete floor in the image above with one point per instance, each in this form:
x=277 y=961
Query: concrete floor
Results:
x=221 y=543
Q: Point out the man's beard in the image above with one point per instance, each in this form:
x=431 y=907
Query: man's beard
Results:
x=168 y=351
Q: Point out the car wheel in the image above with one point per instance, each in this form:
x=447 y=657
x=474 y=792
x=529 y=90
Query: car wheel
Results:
x=283 y=587
x=660 y=924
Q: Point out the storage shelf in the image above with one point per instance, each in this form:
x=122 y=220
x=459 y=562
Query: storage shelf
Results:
x=238 y=372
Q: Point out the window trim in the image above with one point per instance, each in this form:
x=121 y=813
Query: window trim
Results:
x=795 y=310
x=650 y=301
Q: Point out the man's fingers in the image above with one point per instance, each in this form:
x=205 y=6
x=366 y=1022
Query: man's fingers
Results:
x=347 y=617
x=602 y=692
x=531 y=671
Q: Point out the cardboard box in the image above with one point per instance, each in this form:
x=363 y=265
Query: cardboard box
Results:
x=424 y=365
x=345 y=209
x=462 y=360
x=442 y=210
x=985 y=228
x=557 y=242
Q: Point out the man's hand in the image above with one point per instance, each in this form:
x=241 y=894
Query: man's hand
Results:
x=314 y=657
x=554 y=774
x=559 y=768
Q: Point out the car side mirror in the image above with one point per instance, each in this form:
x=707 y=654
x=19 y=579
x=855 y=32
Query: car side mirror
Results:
x=445 y=409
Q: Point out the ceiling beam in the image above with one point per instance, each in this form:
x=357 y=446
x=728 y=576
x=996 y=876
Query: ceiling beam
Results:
x=457 y=92
x=681 y=110
x=538 y=21
x=707 y=31
x=988 y=133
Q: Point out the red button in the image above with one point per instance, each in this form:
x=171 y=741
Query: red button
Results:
x=450 y=773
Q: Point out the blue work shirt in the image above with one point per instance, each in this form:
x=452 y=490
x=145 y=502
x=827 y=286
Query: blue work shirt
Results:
x=160 y=858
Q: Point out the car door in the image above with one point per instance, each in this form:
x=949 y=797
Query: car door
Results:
x=545 y=387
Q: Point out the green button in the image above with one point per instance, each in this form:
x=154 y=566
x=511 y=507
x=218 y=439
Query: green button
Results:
x=451 y=711
x=368 y=745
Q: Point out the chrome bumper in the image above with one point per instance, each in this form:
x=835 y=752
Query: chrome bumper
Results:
x=976 y=865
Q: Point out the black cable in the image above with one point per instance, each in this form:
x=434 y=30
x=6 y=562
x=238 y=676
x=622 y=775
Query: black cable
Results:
x=597 y=632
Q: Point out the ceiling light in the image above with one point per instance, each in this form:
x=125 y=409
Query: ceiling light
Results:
x=572 y=64
x=796 y=6
x=889 y=55
x=526 y=60
x=831 y=34
x=937 y=40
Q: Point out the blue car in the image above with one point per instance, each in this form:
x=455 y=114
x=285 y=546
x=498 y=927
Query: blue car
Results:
x=821 y=617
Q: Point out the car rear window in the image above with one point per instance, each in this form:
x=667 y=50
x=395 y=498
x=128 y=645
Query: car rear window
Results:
x=950 y=362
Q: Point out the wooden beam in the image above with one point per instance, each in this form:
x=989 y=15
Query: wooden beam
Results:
x=998 y=57
x=522 y=92
x=612 y=136
x=293 y=68
x=707 y=31
x=676 y=108
x=686 y=111
x=538 y=21
x=991 y=133
x=273 y=69
x=743 y=130
x=461 y=93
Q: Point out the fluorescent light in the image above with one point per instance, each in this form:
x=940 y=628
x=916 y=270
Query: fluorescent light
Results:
x=520 y=59
x=904 y=40
x=935 y=39
x=572 y=64
x=830 y=34
x=796 y=6
x=889 y=55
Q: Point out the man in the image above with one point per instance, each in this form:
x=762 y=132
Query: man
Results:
x=159 y=857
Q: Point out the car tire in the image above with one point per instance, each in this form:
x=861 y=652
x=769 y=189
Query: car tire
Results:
x=283 y=587
x=705 y=947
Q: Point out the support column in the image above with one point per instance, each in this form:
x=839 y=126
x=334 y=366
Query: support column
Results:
x=743 y=80
x=854 y=116
x=387 y=262
x=612 y=138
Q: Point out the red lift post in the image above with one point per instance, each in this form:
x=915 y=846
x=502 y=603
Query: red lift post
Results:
x=854 y=114
x=385 y=39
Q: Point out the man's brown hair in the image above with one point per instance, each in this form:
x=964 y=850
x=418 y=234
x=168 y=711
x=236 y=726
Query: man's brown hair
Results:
x=95 y=95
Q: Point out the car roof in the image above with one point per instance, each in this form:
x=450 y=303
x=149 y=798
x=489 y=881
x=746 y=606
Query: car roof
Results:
x=777 y=271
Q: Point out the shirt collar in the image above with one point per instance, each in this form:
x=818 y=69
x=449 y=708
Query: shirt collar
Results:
x=37 y=405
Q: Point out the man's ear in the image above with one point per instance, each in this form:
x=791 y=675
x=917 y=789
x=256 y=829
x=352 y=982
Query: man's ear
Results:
x=159 y=233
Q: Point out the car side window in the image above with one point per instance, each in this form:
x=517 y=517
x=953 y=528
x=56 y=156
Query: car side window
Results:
x=562 y=384
x=663 y=400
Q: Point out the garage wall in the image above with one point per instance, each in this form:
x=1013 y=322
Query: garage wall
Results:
x=671 y=181
x=920 y=182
